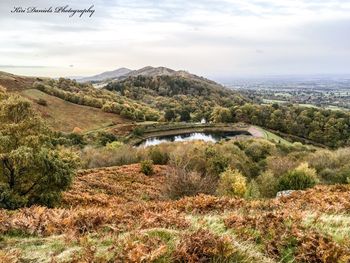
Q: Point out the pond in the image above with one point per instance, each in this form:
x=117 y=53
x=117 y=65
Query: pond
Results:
x=202 y=136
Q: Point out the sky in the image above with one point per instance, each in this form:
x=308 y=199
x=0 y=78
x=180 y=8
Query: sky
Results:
x=219 y=39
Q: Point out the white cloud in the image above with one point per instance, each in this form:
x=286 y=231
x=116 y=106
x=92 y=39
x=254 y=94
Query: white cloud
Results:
x=208 y=37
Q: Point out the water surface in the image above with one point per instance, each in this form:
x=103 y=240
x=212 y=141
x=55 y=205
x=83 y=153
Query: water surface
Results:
x=194 y=136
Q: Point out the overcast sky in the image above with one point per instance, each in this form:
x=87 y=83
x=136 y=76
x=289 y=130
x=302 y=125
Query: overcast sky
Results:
x=212 y=38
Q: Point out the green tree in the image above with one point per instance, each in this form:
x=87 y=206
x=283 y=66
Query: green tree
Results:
x=169 y=115
x=185 y=115
x=32 y=171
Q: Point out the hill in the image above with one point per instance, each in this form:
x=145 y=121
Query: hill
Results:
x=13 y=82
x=117 y=215
x=60 y=114
x=179 y=92
x=64 y=116
x=145 y=95
x=106 y=75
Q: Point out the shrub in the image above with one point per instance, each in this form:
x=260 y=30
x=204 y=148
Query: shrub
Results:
x=267 y=183
x=42 y=102
x=332 y=176
x=232 y=183
x=147 y=167
x=104 y=138
x=138 y=131
x=179 y=183
x=298 y=179
x=32 y=170
x=114 y=145
x=279 y=165
x=158 y=157
x=252 y=190
x=258 y=150
x=204 y=246
x=217 y=164
x=76 y=139
x=102 y=157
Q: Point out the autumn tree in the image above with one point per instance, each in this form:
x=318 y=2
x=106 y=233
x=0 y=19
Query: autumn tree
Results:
x=221 y=114
x=32 y=170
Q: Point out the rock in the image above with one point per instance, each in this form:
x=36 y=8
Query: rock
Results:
x=285 y=193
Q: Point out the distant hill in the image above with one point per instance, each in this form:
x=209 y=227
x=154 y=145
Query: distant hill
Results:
x=106 y=75
x=162 y=71
x=148 y=71
x=182 y=93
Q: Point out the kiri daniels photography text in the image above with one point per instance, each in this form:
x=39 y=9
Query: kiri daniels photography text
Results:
x=55 y=10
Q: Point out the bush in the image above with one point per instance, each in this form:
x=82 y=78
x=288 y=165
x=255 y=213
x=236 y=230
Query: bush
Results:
x=179 y=183
x=42 y=102
x=114 y=145
x=147 y=167
x=232 y=183
x=104 y=138
x=103 y=157
x=138 y=131
x=217 y=164
x=204 y=246
x=76 y=139
x=267 y=183
x=252 y=190
x=158 y=157
x=32 y=170
x=298 y=179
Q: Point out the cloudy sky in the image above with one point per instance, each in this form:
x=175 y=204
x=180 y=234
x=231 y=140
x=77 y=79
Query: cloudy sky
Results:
x=213 y=38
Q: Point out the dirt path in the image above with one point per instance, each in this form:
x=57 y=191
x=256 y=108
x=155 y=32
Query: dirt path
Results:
x=256 y=132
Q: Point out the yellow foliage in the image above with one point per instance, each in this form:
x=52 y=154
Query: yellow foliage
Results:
x=232 y=183
x=304 y=168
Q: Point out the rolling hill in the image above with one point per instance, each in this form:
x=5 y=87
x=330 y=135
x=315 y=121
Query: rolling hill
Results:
x=64 y=116
x=106 y=75
x=141 y=95
x=61 y=115
x=13 y=82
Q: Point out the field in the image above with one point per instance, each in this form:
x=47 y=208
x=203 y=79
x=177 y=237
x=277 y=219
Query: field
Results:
x=65 y=116
x=120 y=215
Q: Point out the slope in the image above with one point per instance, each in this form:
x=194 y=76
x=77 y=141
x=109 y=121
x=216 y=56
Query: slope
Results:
x=65 y=116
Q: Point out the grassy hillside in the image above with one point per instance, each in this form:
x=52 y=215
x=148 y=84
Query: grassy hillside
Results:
x=65 y=116
x=118 y=214
x=13 y=82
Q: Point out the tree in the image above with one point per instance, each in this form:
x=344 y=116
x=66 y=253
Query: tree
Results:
x=221 y=114
x=32 y=170
x=185 y=115
x=169 y=115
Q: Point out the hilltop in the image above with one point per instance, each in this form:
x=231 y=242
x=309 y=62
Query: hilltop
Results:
x=13 y=82
x=106 y=75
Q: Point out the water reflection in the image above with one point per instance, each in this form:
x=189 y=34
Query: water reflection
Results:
x=202 y=136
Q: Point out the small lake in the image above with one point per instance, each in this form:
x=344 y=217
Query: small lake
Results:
x=195 y=136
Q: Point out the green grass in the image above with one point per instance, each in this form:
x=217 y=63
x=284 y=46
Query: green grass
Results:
x=274 y=101
x=273 y=137
x=337 y=226
x=38 y=249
